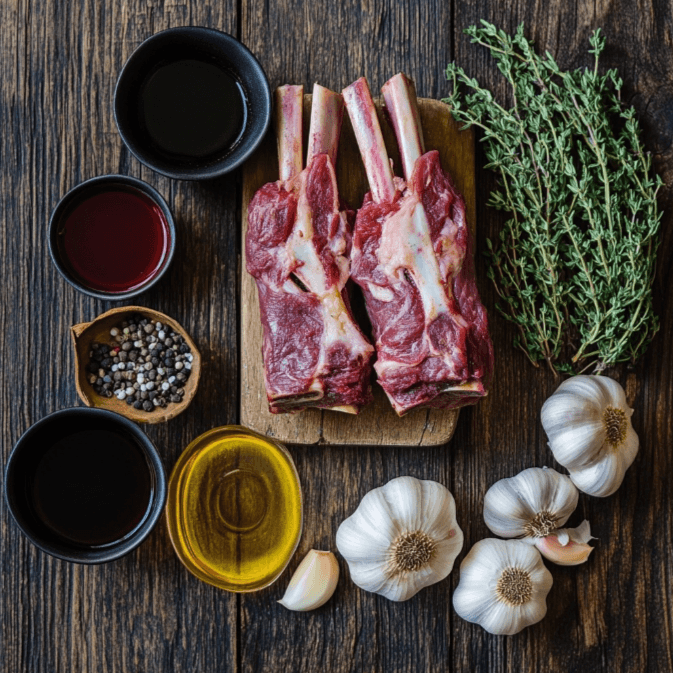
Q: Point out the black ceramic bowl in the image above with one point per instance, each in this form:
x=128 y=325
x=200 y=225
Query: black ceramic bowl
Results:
x=151 y=88
x=115 y=243
x=89 y=514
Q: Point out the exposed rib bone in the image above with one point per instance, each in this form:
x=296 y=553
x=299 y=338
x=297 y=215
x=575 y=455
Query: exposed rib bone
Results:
x=289 y=114
x=326 y=117
x=367 y=130
x=399 y=94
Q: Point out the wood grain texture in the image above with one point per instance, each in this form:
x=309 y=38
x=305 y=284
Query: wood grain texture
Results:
x=59 y=66
x=145 y=613
x=377 y=424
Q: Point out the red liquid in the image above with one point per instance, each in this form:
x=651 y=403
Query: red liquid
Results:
x=115 y=241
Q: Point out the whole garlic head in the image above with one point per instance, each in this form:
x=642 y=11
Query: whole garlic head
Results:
x=532 y=504
x=588 y=423
x=402 y=537
x=503 y=586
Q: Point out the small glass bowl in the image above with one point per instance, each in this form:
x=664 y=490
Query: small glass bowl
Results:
x=234 y=509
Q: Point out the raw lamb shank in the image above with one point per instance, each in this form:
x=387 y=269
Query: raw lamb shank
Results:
x=297 y=249
x=412 y=257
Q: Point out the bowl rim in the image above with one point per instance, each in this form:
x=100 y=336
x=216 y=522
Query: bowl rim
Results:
x=116 y=549
x=223 y=166
x=83 y=187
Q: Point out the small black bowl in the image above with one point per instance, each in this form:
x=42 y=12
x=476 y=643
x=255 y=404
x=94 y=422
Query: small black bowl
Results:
x=212 y=49
x=91 y=188
x=28 y=470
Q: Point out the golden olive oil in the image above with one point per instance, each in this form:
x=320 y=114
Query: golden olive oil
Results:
x=235 y=509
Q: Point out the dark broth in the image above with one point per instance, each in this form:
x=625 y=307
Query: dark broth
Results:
x=192 y=109
x=92 y=487
x=114 y=241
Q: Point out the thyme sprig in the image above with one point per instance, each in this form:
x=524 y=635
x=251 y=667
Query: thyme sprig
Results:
x=575 y=261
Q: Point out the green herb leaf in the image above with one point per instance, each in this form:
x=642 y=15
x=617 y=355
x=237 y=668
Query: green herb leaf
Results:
x=575 y=261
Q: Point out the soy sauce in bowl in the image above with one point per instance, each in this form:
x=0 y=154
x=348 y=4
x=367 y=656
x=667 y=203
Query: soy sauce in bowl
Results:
x=192 y=103
x=85 y=485
x=91 y=487
x=192 y=109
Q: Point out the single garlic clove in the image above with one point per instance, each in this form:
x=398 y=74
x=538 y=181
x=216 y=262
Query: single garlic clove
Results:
x=313 y=583
x=568 y=546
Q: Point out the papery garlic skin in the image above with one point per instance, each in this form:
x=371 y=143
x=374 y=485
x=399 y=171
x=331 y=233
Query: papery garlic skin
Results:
x=313 y=583
x=402 y=537
x=531 y=504
x=567 y=546
x=588 y=423
x=503 y=586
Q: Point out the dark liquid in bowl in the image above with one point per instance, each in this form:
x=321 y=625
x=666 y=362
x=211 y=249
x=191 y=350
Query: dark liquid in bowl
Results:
x=92 y=487
x=192 y=109
x=115 y=240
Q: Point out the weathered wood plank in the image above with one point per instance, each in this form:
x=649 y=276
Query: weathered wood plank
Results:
x=599 y=614
x=59 y=66
x=355 y=631
x=145 y=613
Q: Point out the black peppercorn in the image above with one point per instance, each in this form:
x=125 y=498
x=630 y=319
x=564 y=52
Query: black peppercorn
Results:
x=132 y=357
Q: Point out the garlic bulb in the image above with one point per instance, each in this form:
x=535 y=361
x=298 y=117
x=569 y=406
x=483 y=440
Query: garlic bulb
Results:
x=313 y=583
x=503 y=586
x=567 y=546
x=530 y=505
x=588 y=424
x=402 y=537
x=533 y=506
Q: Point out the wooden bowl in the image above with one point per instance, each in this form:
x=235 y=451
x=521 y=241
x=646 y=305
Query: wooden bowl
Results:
x=85 y=334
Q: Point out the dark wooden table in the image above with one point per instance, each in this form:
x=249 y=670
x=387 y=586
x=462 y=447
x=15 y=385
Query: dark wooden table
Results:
x=146 y=613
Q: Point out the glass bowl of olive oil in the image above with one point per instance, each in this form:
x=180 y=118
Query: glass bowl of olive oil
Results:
x=234 y=508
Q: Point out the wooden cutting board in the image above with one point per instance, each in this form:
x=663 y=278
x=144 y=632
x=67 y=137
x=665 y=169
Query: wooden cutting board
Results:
x=377 y=424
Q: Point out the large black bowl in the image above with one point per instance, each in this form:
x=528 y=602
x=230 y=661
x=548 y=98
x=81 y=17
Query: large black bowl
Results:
x=201 y=44
x=22 y=466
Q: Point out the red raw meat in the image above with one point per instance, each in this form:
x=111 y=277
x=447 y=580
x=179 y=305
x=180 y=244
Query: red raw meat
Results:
x=412 y=256
x=297 y=249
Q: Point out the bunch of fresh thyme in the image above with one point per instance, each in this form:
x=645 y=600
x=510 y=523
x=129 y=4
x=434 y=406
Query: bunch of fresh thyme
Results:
x=575 y=262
